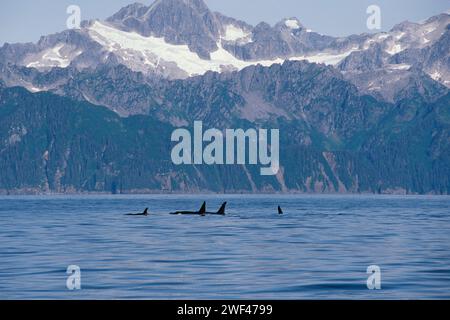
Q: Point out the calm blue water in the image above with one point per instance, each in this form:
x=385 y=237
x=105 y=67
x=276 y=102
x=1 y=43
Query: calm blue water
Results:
x=320 y=248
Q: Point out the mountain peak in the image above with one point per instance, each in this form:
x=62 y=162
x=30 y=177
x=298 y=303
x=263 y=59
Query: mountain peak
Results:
x=141 y=11
x=199 y=5
x=443 y=17
x=188 y=22
x=133 y=10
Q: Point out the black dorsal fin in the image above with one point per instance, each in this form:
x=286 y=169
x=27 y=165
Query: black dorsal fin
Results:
x=222 y=209
x=146 y=211
x=280 y=211
x=203 y=208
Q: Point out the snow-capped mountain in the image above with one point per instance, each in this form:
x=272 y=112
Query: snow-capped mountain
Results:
x=393 y=62
x=178 y=39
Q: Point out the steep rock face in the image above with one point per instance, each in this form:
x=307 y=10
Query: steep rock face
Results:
x=393 y=85
x=403 y=61
x=177 y=21
x=79 y=147
x=286 y=39
x=369 y=60
x=414 y=140
x=53 y=144
x=433 y=59
x=295 y=90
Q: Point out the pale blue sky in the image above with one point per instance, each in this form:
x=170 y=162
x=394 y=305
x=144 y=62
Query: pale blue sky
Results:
x=27 y=20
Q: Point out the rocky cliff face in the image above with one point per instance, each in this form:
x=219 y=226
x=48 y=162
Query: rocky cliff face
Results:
x=54 y=144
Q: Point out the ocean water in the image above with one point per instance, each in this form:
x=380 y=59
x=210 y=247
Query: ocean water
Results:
x=319 y=249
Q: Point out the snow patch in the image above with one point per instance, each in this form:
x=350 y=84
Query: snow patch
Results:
x=383 y=36
x=326 y=58
x=233 y=33
x=293 y=24
x=53 y=58
x=34 y=89
x=436 y=75
x=430 y=28
x=400 y=66
x=400 y=35
x=117 y=41
x=394 y=49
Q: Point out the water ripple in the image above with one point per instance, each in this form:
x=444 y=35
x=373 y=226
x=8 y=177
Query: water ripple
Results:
x=320 y=248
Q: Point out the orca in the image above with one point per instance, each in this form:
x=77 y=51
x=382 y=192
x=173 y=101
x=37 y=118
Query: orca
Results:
x=280 y=211
x=201 y=212
x=221 y=211
x=145 y=213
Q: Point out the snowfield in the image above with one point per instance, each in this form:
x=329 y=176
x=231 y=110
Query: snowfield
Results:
x=115 y=40
x=121 y=42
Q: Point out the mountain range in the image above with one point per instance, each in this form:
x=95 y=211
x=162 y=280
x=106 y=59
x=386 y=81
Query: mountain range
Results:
x=92 y=109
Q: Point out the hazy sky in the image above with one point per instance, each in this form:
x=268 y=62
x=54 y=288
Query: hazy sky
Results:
x=27 y=20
